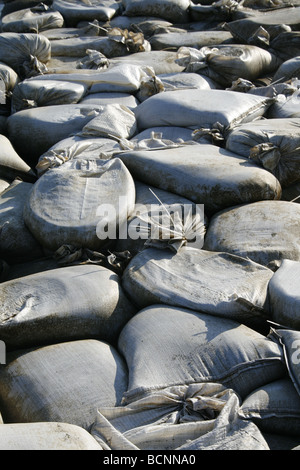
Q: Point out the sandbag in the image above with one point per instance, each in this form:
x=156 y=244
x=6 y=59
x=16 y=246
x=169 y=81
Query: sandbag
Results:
x=75 y=11
x=175 y=11
x=287 y=70
x=46 y=436
x=77 y=147
x=285 y=107
x=182 y=80
x=217 y=283
x=33 y=131
x=194 y=39
x=175 y=418
x=290 y=343
x=77 y=46
x=126 y=99
x=165 y=346
x=200 y=109
x=35 y=93
x=151 y=222
x=63 y=382
x=203 y=173
x=265 y=231
x=11 y=164
x=17 y=244
x=272 y=143
x=32 y=20
x=286 y=45
x=284 y=294
x=243 y=29
x=52 y=311
x=72 y=204
x=160 y=61
x=227 y=63
x=274 y=408
x=28 y=52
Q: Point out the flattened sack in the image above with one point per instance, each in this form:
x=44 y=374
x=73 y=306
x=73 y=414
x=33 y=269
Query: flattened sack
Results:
x=68 y=204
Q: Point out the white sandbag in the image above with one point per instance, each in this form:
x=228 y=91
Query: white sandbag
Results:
x=114 y=121
x=266 y=232
x=77 y=46
x=75 y=11
x=194 y=39
x=203 y=173
x=162 y=219
x=46 y=436
x=126 y=99
x=35 y=93
x=290 y=342
x=17 y=244
x=63 y=382
x=272 y=143
x=274 y=408
x=226 y=63
x=173 y=417
x=284 y=294
x=166 y=346
x=53 y=308
x=160 y=61
x=11 y=164
x=33 y=131
x=175 y=11
x=73 y=203
x=200 y=109
x=28 y=52
x=77 y=147
x=32 y=20
x=182 y=80
x=220 y=284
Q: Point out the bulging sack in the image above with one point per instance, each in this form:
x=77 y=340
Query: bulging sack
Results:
x=203 y=173
x=175 y=11
x=48 y=307
x=32 y=20
x=75 y=11
x=166 y=346
x=81 y=203
x=272 y=143
x=64 y=382
x=220 y=284
x=265 y=231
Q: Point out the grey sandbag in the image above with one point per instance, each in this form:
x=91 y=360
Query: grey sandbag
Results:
x=285 y=107
x=200 y=109
x=160 y=61
x=28 y=52
x=33 y=131
x=284 y=294
x=183 y=80
x=265 y=231
x=17 y=244
x=11 y=164
x=175 y=11
x=36 y=93
x=77 y=46
x=34 y=19
x=272 y=143
x=217 y=283
x=46 y=436
x=63 y=382
x=288 y=69
x=226 y=63
x=274 y=408
x=63 y=304
x=68 y=204
x=102 y=98
x=243 y=29
x=194 y=39
x=75 y=11
x=290 y=342
x=203 y=173
x=166 y=346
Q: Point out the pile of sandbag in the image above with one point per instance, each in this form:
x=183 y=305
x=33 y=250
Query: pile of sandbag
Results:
x=149 y=225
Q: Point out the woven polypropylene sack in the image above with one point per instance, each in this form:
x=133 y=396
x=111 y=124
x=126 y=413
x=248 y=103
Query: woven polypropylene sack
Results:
x=166 y=345
x=175 y=11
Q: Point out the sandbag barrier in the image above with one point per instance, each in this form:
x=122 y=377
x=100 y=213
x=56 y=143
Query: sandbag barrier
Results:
x=149 y=225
